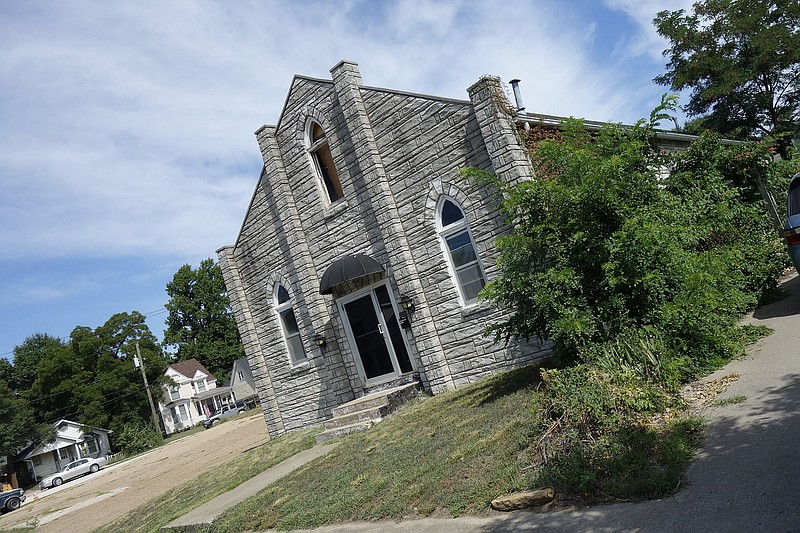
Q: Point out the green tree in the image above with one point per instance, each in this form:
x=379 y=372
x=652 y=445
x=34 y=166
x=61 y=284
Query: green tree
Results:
x=741 y=60
x=6 y=370
x=27 y=357
x=200 y=322
x=114 y=396
x=605 y=247
x=19 y=425
x=59 y=380
x=91 y=379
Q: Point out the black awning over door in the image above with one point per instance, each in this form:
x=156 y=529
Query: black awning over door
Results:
x=348 y=269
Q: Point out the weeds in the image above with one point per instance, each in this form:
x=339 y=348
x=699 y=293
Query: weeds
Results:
x=733 y=400
x=598 y=439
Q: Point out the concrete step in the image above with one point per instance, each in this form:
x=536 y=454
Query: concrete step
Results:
x=365 y=403
x=362 y=413
x=334 y=433
x=395 y=396
x=353 y=417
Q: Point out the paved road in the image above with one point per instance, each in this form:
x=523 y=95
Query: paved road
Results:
x=97 y=499
x=747 y=479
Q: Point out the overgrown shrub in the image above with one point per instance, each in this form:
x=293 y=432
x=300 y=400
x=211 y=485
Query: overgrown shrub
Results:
x=636 y=351
x=598 y=441
x=137 y=437
x=619 y=237
x=637 y=265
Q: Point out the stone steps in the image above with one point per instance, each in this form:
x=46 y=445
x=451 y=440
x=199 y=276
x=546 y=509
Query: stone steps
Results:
x=362 y=413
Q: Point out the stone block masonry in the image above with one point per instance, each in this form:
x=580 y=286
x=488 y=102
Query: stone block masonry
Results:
x=397 y=156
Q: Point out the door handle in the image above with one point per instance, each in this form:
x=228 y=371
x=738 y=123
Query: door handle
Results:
x=380 y=328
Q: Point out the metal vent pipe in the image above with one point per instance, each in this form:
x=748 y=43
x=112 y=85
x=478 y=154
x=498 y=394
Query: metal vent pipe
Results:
x=517 y=95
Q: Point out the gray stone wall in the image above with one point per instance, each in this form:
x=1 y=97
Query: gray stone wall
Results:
x=424 y=143
x=396 y=155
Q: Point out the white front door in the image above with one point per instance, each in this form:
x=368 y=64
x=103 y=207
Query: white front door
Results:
x=377 y=341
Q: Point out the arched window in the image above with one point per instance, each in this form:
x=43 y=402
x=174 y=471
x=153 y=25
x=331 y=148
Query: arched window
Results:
x=459 y=248
x=291 y=332
x=323 y=163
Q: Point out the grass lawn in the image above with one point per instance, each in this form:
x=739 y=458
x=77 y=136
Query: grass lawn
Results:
x=449 y=454
x=445 y=455
x=180 y=500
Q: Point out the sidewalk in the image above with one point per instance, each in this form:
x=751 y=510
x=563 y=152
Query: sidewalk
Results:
x=204 y=515
x=747 y=478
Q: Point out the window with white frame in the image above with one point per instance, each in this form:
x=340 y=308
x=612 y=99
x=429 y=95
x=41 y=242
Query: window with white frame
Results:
x=179 y=413
x=460 y=251
x=174 y=393
x=284 y=306
x=322 y=160
x=91 y=446
x=201 y=386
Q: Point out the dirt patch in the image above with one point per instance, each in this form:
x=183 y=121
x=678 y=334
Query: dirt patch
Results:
x=701 y=394
x=120 y=488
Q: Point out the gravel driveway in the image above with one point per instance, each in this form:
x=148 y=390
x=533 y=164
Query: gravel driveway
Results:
x=97 y=499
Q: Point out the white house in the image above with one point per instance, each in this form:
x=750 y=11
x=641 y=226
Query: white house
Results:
x=73 y=441
x=194 y=396
x=243 y=387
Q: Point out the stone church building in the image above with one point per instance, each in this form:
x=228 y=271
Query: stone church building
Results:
x=361 y=256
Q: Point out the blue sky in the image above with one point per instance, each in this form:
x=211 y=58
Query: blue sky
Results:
x=126 y=128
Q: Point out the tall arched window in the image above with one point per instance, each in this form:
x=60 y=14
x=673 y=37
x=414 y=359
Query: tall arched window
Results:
x=291 y=332
x=323 y=163
x=460 y=251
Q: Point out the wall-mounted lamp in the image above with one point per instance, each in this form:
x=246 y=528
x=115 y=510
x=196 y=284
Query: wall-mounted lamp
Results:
x=319 y=340
x=407 y=305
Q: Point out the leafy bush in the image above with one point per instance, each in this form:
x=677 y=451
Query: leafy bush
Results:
x=597 y=439
x=637 y=265
x=137 y=437
x=617 y=237
x=637 y=351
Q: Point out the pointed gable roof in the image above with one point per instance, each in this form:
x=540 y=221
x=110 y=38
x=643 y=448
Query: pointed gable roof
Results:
x=190 y=368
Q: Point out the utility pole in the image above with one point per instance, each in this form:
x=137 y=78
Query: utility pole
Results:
x=138 y=361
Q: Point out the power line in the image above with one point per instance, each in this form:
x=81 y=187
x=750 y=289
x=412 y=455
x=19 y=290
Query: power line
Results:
x=42 y=397
x=117 y=398
x=151 y=314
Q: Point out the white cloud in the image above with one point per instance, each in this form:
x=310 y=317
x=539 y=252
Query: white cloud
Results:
x=429 y=16
x=642 y=13
x=128 y=128
x=35 y=289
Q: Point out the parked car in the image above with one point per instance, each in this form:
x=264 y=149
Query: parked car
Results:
x=10 y=500
x=791 y=228
x=81 y=467
x=224 y=412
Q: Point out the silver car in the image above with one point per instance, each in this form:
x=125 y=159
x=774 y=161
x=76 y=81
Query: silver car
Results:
x=77 y=468
x=791 y=228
